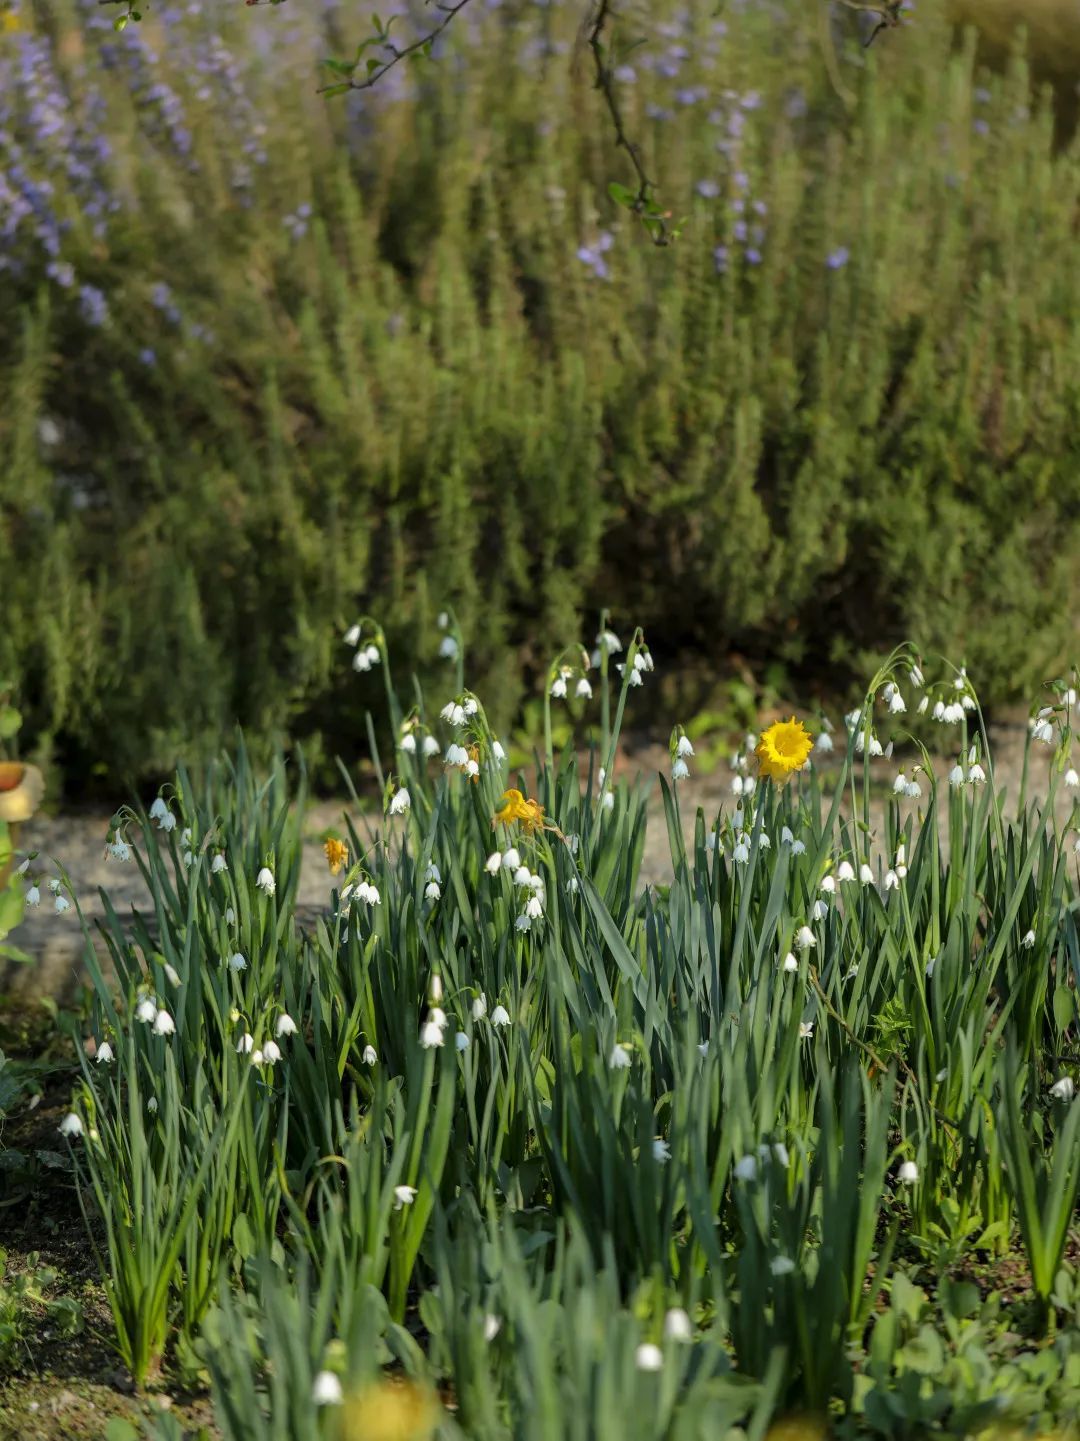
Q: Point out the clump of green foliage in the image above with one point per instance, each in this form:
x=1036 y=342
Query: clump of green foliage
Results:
x=597 y=1159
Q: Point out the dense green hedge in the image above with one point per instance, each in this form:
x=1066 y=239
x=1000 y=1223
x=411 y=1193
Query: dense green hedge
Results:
x=859 y=422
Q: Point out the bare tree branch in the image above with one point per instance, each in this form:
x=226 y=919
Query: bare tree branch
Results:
x=656 y=221
x=375 y=73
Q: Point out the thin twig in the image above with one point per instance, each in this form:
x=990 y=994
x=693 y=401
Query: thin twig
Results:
x=605 y=78
x=887 y=11
x=449 y=13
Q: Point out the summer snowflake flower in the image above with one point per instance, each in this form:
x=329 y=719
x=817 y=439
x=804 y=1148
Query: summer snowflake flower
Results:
x=430 y=747
x=327 y=1390
x=679 y=769
x=461 y=1040
x=61 y=904
x=798 y=848
x=104 y=1054
x=218 y=864
x=648 y=1357
x=404 y=1196
x=500 y=1016
x=866 y=875
x=164 y=1024
x=781 y=1265
x=677 y=1325
x=1072 y=780
x=783 y=749
x=493 y=863
x=146 y=1011
x=511 y=860
x=352 y=635
x=820 y=910
x=432 y=891
x=448 y=648
x=1064 y=1090
x=479 y=1007
x=1028 y=941
x=789 y=964
x=619 y=1060
x=908 y=1173
x=246 y=1044
x=746 y=1168
x=401 y=802
x=71 y=1125
x=583 y=690
x=370 y=1055
x=956 y=775
x=845 y=871
x=286 y=1026
x=806 y=1030
x=431 y=1035
x=661 y=1150
x=828 y=884
x=265 y=881
x=805 y=938
x=33 y=896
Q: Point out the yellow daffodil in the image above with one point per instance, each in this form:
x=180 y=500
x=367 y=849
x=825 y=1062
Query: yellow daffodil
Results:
x=783 y=749
x=514 y=807
x=797 y=1428
x=390 y=1411
x=337 y=854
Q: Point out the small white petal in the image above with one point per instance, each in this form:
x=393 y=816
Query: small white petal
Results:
x=648 y=1357
x=327 y=1390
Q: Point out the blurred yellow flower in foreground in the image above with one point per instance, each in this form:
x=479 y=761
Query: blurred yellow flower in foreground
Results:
x=797 y=1428
x=514 y=807
x=8 y=21
x=390 y=1411
x=337 y=854
x=21 y=790
x=784 y=748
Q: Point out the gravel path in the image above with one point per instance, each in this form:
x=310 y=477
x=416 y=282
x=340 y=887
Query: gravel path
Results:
x=78 y=841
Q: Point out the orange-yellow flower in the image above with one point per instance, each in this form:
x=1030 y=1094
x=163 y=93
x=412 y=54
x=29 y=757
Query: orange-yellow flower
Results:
x=21 y=790
x=783 y=748
x=337 y=854
x=514 y=807
x=390 y=1411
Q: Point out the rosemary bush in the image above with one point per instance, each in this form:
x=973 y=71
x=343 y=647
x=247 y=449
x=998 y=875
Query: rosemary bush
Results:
x=268 y=359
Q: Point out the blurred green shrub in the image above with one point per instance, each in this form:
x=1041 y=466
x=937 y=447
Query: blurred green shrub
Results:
x=267 y=362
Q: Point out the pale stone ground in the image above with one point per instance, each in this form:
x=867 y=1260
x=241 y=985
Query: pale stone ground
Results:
x=77 y=841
